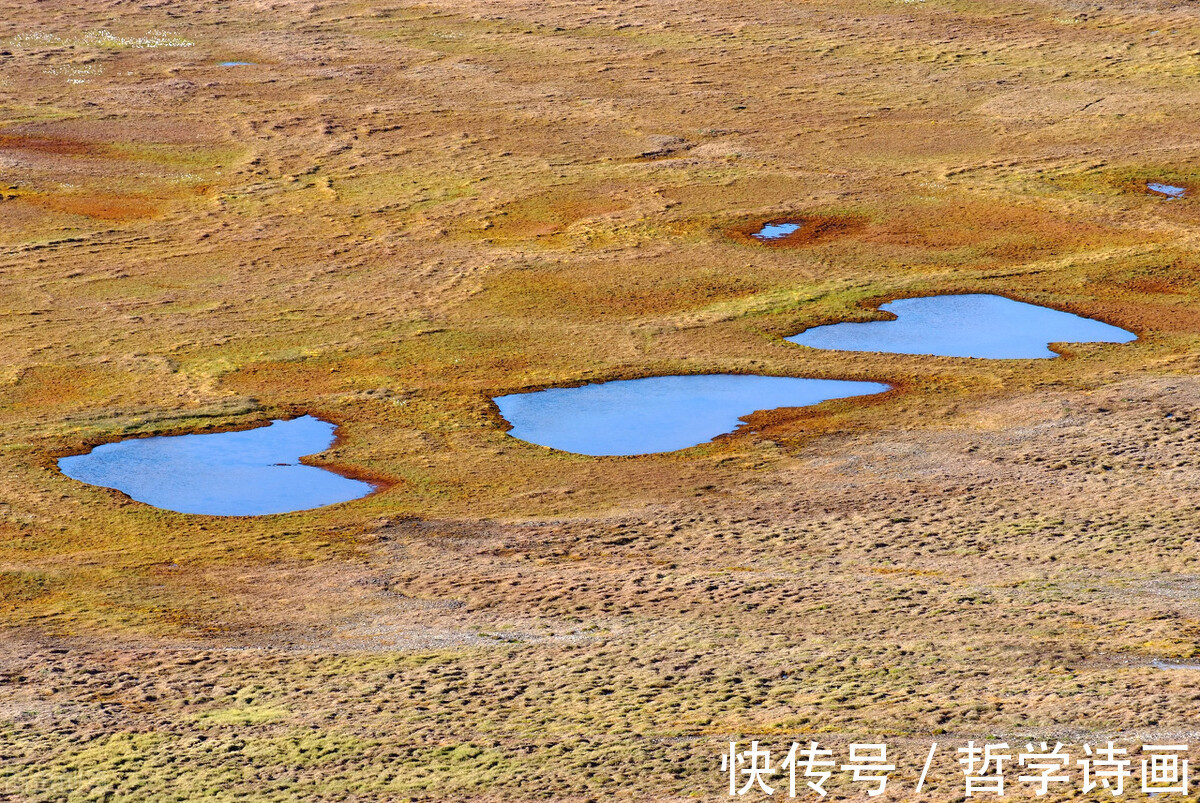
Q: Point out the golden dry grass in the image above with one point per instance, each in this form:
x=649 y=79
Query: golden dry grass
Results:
x=400 y=210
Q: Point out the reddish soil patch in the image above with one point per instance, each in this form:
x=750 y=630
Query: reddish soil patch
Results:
x=104 y=206
x=47 y=145
x=1007 y=233
x=802 y=424
x=1152 y=285
x=813 y=229
x=318 y=376
x=1142 y=316
x=549 y=213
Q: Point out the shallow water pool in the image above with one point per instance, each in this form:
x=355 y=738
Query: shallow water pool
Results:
x=971 y=325
x=659 y=414
x=1168 y=190
x=775 y=231
x=251 y=472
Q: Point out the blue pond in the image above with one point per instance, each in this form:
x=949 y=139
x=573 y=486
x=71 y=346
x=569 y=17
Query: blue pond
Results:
x=661 y=413
x=253 y=472
x=972 y=325
x=774 y=231
x=236 y=64
x=1167 y=189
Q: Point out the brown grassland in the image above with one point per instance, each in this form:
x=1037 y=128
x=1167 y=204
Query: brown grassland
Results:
x=400 y=210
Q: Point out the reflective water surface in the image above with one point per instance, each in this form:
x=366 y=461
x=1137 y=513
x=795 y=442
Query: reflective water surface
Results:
x=252 y=472
x=1168 y=190
x=972 y=325
x=1158 y=663
x=659 y=414
x=773 y=231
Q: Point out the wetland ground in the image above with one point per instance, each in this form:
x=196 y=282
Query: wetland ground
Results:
x=401 y=211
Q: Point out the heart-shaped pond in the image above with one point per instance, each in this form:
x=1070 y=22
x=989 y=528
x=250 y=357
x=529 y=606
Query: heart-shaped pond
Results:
x=970 y=325
x=251 y=472
x=661 y=413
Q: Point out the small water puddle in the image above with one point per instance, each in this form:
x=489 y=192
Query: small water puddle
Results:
x=969 y=325
x=251 y=472
x=1158 y=663
x=659 y=414
x=236 y=64
x=775 y=231
x=1168 y=190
